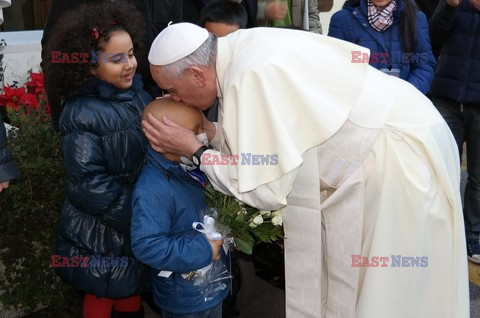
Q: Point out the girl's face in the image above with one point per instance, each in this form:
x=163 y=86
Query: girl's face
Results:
x=117 y=64
x=381 y=3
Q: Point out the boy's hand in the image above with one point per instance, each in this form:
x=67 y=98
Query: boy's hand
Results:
x=216 y=248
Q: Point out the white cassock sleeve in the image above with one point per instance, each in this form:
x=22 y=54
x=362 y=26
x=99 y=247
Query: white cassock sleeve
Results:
x=265 y=197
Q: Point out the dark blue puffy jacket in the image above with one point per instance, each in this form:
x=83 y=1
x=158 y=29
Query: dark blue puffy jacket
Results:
x=351 y=24
x=457 y=76
x=104 y=151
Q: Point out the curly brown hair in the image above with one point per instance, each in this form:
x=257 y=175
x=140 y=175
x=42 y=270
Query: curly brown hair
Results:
x=74 y=33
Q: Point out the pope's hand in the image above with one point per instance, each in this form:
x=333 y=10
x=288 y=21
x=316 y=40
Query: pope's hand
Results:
x=167 y=137
x=216 y=248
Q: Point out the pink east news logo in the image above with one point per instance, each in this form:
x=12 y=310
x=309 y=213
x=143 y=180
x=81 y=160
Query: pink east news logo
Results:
x=89 y=261
x=386 y=261
x=244 y=159
x=86 y=57
x=397 y=57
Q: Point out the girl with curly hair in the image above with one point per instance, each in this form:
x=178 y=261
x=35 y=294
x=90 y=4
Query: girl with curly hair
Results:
x=92 y=71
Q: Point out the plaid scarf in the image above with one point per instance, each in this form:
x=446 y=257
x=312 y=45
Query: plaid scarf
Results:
x=381 y=19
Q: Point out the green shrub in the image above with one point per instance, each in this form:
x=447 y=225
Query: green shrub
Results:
x=28 y=219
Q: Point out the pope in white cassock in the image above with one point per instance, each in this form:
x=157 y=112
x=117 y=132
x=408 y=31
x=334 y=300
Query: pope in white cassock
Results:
x=367 y=174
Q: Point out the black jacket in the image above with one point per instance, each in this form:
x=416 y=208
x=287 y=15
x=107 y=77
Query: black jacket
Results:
x=104 y=151
x=8 y=168
x=456 y=31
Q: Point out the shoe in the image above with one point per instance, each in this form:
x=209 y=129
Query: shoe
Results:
x=473 y=251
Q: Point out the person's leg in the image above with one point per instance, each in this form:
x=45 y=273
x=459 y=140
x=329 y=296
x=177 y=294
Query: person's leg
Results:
x=96 y=307
x=454 y=118
x=130 y=307
x=215 y=312
x=471 y=208
x=129 y=304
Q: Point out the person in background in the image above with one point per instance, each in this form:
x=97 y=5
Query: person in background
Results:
x=222 y=17
x=455 y=31
x=396 y=34
x=295 y=14
x=192 y=10
x=8 y=167
x=104 y=152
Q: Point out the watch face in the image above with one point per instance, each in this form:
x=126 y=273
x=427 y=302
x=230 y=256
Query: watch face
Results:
x=195 y=160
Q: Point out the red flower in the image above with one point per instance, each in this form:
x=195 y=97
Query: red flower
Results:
x=36 y=82
x=11 y=96
x=29 y=100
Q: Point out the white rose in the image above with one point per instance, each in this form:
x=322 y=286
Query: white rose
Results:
x=252 y=225
x=258 y=220
x=266 y=213
x=277 y=220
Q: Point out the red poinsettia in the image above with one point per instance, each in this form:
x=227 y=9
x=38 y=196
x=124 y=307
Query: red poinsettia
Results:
x=11 y=97
x=29 y=100
x=27 y=97
x=36 y=82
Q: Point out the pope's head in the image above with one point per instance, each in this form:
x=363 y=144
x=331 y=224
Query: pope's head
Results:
x=182 y=61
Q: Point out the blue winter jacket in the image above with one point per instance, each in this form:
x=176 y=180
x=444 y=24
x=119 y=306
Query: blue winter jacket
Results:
x=351 y=24
x=166 y=201
x=104 y=151
x=458 y=72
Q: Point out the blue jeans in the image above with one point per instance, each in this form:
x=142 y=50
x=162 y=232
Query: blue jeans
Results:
x=465 y=126
x=215 y=312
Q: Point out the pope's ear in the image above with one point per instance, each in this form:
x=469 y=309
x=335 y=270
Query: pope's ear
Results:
x=198 y=75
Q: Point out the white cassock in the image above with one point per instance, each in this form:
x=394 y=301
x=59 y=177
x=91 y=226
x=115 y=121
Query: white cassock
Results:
x=366 y=168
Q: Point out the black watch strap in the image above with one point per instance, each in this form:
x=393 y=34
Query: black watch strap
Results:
x=197 y=156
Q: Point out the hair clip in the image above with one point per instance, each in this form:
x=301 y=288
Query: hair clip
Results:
x=96 y=33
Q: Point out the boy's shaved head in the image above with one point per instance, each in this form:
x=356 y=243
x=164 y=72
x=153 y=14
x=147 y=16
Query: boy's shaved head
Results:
x=186 y=116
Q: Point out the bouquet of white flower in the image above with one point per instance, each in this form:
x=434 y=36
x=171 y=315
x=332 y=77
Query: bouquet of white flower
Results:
x=244 y=225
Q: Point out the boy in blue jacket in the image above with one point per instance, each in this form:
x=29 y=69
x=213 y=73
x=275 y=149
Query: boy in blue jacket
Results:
x=166 y=201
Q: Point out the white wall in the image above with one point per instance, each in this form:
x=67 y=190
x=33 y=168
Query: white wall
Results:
x=21 y=55
x=325 y=16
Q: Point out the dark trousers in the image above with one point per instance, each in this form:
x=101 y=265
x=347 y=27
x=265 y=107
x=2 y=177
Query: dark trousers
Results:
x=464 y=122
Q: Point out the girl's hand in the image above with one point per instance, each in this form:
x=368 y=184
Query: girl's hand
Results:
x=4 y=185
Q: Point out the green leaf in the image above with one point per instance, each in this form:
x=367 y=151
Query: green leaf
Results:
x=243 y=246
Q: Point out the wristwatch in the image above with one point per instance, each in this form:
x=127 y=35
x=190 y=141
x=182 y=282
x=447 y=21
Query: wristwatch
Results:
x=197 y=156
